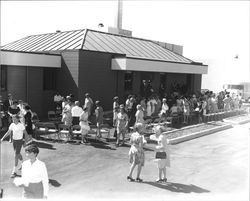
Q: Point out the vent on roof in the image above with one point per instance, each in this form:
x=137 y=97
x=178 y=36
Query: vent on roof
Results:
x=58 y=31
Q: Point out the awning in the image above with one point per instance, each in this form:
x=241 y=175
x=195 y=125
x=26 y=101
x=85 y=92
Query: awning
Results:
x=137 y=64
x=30 y=59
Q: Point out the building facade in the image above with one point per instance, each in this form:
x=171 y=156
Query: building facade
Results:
x=33 y=69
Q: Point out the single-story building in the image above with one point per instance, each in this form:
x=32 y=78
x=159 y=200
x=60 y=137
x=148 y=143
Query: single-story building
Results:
x=34 y=68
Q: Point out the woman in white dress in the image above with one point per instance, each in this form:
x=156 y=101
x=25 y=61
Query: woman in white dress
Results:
x=84 y=124
x=139 y=115
x=162 y=147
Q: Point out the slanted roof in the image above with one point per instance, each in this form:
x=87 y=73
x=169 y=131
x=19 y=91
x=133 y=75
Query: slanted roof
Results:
x=87 y=39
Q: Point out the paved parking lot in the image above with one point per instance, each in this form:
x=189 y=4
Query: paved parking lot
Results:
x=213 y=167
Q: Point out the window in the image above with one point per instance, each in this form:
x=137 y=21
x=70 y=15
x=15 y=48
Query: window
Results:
x=3 y=77
x=128 y=81
x=49 y=79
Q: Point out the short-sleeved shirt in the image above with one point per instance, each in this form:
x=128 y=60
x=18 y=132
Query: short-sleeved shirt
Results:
x=17 y=130
x=122 y=120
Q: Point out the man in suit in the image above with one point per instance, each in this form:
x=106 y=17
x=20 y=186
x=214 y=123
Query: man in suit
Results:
x=7 y=103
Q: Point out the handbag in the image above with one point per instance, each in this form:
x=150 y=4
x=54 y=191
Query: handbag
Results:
x=161 y=155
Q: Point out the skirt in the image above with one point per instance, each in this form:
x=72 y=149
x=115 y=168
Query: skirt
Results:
x=136 y=155
x=34 y=191
x=162 y=163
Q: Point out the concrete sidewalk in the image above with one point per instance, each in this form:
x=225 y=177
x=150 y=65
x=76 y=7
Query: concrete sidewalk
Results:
x=213 y=167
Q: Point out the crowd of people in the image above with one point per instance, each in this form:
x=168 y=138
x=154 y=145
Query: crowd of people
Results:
x=132 y=113
x=136 y=109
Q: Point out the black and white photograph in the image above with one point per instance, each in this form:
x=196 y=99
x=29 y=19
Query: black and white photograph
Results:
x=125 y=100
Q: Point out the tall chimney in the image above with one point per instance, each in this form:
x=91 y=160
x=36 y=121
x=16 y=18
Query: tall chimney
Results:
x=117 y=29
x=118 y=17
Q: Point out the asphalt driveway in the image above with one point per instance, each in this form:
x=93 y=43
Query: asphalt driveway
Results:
x=213 y=167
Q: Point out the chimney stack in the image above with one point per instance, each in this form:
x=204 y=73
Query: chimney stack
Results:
x=117 y=29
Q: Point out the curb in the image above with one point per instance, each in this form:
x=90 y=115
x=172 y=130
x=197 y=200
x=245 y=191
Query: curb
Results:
x=236 y=122
x=198 y=134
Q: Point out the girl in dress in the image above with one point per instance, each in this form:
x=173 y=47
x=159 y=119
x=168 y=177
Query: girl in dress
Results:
x=136 y=152
x=162 y=147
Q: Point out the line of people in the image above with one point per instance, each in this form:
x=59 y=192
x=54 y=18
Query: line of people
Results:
x=74 y=114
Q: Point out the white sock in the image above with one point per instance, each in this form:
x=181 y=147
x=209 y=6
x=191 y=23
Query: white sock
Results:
x=14 y=169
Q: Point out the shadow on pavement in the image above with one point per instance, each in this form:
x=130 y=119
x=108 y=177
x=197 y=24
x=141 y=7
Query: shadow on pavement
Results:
x=43 y=145
x=179 y=188
x=54 y=183
x=99 y=144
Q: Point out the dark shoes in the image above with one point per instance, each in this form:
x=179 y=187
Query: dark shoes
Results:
x=130 y=178
x=161 y=180
x=139 y=180
x=13 y=175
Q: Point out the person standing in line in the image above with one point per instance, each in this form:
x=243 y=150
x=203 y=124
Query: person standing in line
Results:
x=139 y=115
x=84 y=124
x=136 y=152
x=57 y=101
x=99 y=118
x=227 y=103
x=149 y=107
x=7 y=103
x=122 y=125
x=158 y=105
x=34 y=178
x=115 y=113
x=1 y=114
x=164 y=109
x=128 y=106
x=67 y=115
x=144 y=106
x=18 y=132
x=28 y=124
x=76 y=112
x=88 y=103
x=186 y=110
x=22 y=112
x=162 y=147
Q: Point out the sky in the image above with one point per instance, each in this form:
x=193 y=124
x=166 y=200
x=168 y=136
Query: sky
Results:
x=211 y=32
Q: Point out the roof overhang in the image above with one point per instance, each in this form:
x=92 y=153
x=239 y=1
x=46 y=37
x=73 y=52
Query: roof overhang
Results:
x=30 y=59
x=136 y=64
